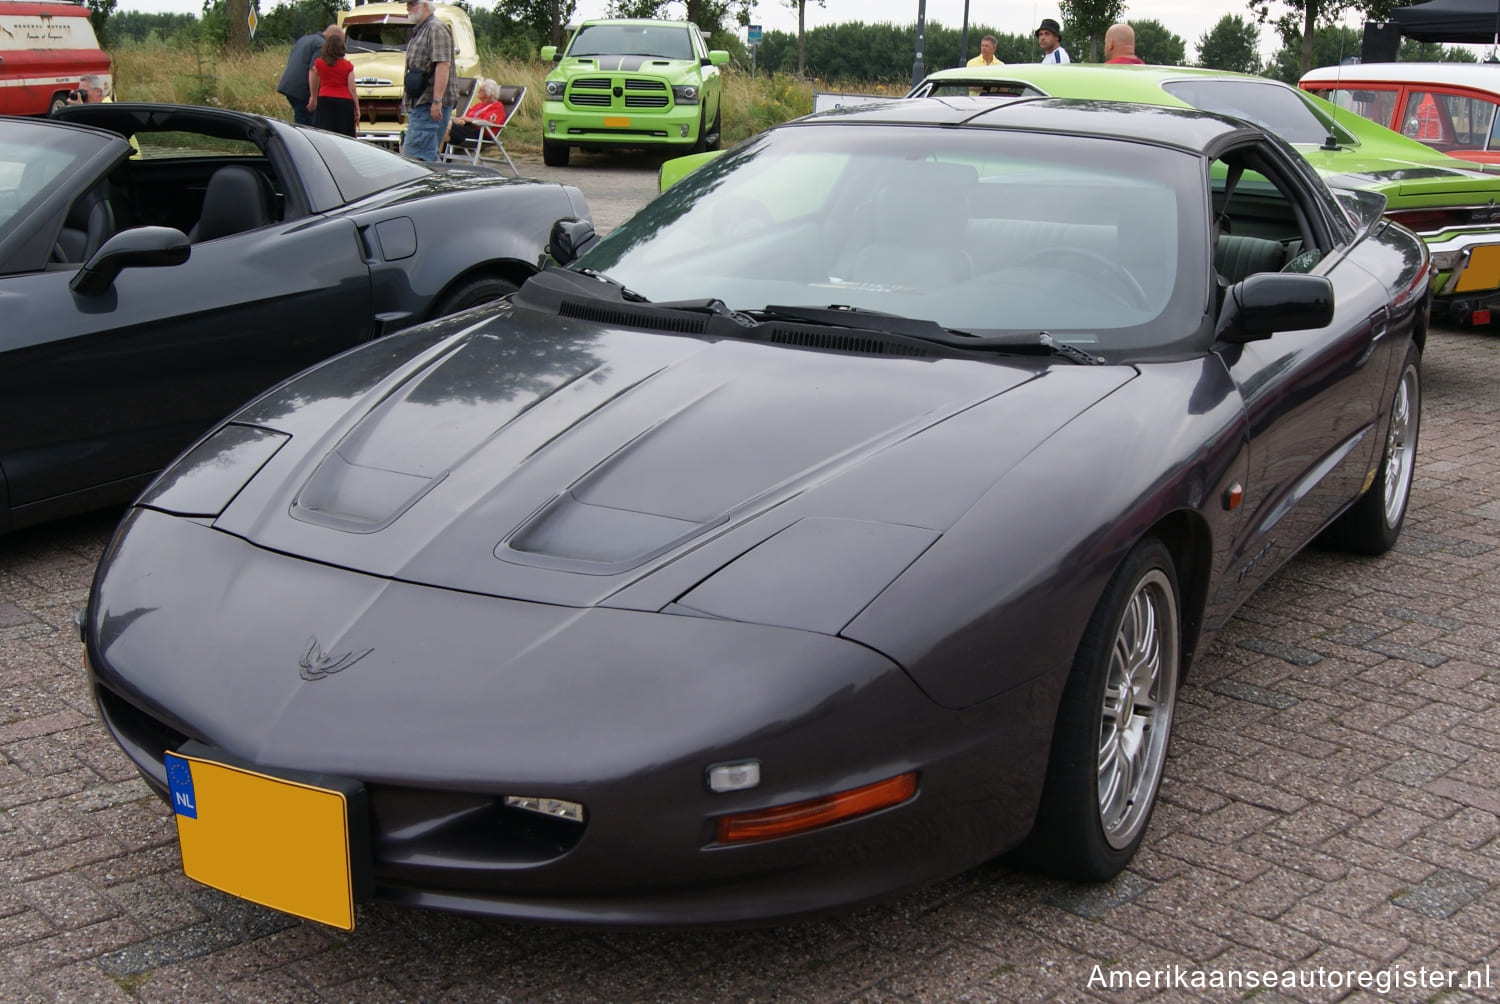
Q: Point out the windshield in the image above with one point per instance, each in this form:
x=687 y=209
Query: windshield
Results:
x=32 y=160
x=977 y=88
x=376 y=37
x=659 y=40
x=1280 y=109
x=983 y=231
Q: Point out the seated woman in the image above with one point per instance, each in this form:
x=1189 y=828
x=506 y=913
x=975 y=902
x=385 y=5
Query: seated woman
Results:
x=486 y=108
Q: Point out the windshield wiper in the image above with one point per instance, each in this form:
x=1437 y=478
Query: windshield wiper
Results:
x=841 y=315
x=626 y=293
x=714 y=307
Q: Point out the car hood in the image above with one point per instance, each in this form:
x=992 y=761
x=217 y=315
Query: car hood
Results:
x=566 y=462
x=572 y=66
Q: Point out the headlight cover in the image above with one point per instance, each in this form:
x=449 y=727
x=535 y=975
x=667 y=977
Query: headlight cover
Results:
x=685 y=94
x=206 y=479
x=555 y=90
x=815 y=575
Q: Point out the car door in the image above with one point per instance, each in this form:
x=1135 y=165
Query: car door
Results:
x=1311 y=397
x=99 y=391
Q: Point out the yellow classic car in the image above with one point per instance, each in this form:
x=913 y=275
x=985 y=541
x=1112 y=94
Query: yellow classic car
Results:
x=376 y=35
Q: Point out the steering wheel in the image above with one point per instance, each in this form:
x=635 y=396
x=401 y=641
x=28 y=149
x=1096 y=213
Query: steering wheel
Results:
x=1134 y=294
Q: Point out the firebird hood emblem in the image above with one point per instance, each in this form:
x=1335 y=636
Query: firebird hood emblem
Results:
x=315 y=665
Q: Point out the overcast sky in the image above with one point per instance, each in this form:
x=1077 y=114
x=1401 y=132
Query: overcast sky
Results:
x=1190 y=19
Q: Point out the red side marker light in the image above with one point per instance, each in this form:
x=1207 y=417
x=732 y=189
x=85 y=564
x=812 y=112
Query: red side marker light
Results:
x=1233 y=496
x=799 y=817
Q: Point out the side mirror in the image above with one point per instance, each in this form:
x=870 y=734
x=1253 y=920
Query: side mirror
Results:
x=570 y=237
x=1269 y=302
x=549 y=53
x=674 y=170
x=717 y=57
x=141 y=247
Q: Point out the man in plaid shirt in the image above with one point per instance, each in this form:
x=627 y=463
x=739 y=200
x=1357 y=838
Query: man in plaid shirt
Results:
x=429 y=50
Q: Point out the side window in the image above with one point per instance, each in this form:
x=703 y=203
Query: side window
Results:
x=1376 y=104
x=1262 y=222
x=1469 y=118
x=1427 y=119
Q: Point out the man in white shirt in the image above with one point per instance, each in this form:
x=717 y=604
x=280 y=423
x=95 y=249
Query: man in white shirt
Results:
x=1049 y=37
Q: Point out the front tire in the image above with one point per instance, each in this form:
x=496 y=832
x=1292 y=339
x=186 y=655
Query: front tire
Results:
x=1372 y=524
x=1113 y=725
x=473 y=292
x=554 y=154
x=701 y=143
x=715 y=138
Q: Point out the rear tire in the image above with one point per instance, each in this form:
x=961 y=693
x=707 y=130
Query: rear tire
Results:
x=1372 y=524
x=554 y=154
x=473 y=292
x=1113 y=725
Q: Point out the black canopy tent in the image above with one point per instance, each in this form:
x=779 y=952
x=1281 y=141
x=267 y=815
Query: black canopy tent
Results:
x=1473 y=21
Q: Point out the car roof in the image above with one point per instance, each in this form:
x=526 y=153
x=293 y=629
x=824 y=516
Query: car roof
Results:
x=1183 y=128
x=1484 y=76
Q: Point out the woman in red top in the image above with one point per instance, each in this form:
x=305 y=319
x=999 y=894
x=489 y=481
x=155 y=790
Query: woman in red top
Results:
x=486 y=108
x=334 y=102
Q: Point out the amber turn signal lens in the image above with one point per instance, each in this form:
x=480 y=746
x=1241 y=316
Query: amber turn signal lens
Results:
x=799 y=817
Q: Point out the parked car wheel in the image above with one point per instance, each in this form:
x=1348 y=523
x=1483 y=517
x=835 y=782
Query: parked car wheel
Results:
x=473 y=292
x=1372 y=524
x=701 y=143
x=715 y=139
x=554 y=154
x=1115 y=720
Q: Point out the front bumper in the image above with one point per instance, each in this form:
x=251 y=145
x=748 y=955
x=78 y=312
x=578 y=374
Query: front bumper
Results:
x=380 y=117
x=462 y=699
x=678 y=124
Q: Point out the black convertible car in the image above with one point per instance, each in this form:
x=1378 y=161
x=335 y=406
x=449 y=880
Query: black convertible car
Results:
x=161 y=265
x=707 y=580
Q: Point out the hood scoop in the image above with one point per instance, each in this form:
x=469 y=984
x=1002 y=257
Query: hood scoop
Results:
x=737 y=448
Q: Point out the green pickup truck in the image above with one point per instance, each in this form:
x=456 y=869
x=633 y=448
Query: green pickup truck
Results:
x=632 y=83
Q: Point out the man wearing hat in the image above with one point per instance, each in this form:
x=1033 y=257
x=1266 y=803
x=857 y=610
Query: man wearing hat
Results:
x=1049 y=37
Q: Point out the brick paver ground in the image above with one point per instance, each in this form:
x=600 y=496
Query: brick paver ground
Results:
x=1330 y=807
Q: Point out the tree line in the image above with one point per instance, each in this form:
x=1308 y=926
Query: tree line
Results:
x=839 y=54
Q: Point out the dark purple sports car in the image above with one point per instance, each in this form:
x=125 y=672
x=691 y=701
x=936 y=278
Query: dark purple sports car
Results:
x=846 y=518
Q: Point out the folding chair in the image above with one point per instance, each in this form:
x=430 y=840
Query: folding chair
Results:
x=511 y=96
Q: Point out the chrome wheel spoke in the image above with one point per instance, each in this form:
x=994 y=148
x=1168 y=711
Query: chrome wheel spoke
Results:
x=1135 y=713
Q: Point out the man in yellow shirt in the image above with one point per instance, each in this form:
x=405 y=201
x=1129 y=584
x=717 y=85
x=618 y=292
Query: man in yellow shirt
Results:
x=986 y=56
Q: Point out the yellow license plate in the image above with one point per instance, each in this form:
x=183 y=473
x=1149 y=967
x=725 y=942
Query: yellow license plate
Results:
x=1482 y=272
x=286 y=844
x=617 y=123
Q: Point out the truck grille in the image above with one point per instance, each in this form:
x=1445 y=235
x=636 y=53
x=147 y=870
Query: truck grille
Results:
x=640 y=92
